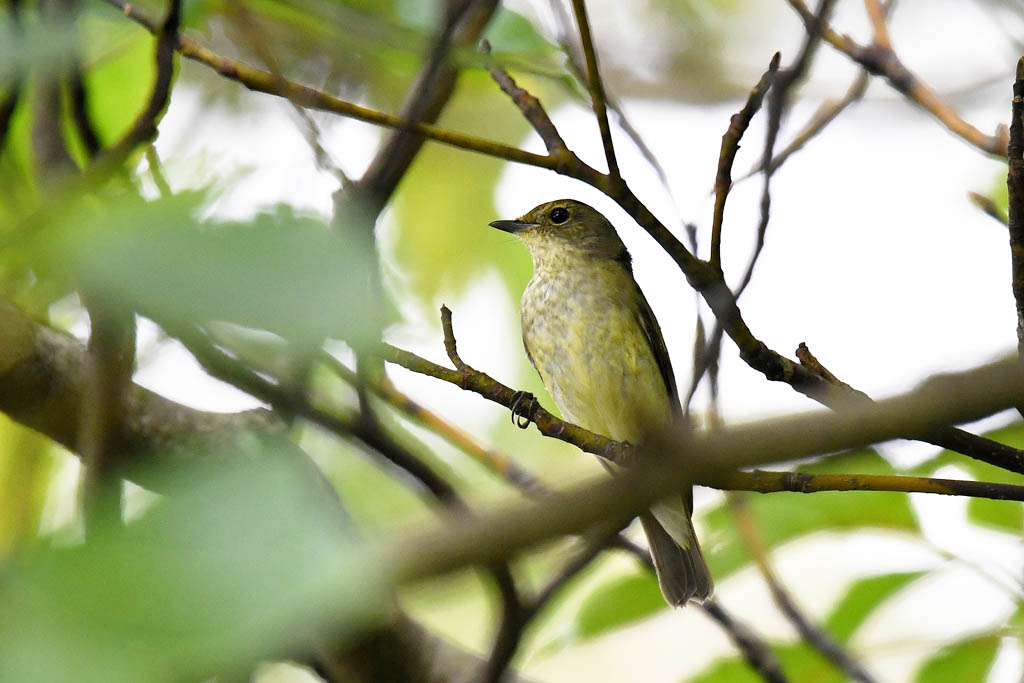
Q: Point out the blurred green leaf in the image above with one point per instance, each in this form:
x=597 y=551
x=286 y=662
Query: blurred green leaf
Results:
x=1005 y=515
x=26 y=468
x=512 y=32
x=41 y=47
x=441 y=240
x=119 y=71
x=800 y=663
x=283 y=273
x=618 y=603
x=786 y=516
x=965 y=662
x=241 y=562
x=1002 y=514
x=861 y=599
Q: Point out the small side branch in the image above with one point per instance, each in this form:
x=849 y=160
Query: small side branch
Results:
x=145 y=127
x=730 y=145
x=596 y=87
x=816 y=637
x=879 y=59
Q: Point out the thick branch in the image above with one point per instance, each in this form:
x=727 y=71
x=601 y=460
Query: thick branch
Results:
x=687 y=457
x=1015 y=188
x=717 y=477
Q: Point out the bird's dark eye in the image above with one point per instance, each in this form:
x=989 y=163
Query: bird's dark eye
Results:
x=559 y=215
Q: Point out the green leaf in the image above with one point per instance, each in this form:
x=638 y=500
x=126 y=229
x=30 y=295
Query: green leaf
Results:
x=120 y=69
x=286 y=274
x=1005 y=515
x=786 y=516
x=239 y=563
x=618 y=603
x=861 y=599
x=441 y=241
x=964 y=662
x=800 y=663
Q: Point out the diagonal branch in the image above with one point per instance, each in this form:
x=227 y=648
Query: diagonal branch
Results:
x=730 y=145
x=263 y=81
x=817 y=637
x=879 y=59
x=144 y=129
x=627 y=455
x=596 y=87
x=503 y=532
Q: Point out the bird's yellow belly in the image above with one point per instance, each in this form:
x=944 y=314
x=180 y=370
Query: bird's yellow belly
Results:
x=593 y=356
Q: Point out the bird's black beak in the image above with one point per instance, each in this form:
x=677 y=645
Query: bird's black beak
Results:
x=512 y=226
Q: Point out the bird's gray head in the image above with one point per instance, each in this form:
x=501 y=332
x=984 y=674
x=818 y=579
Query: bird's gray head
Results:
x=566 y=227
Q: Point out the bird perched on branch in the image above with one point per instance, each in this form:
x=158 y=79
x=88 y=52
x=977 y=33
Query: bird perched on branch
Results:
x=590 y=333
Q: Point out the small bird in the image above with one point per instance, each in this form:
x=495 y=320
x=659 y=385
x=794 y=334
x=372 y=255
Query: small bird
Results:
x=592 y=337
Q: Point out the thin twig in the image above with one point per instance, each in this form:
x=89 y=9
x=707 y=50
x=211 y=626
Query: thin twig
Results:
x=989 y=206
x=877 y=15
x=576 y=64
x=778 y=103
x=263 y=81
x=496 y=461
x=815 y=636
x=596 y=87
x=156 y=170
x=882 y=61
x=825 y=114
x=755 y=651
x=730 y=145
x=529 y=106
x=145 y=127
x=624 y=454
x=463 y=23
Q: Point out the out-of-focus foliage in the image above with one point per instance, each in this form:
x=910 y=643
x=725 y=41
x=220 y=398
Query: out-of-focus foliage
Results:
x=617 y=603
x=791 y=515
x=800 y=662
x=281 y=273
x=863 y=598
x=235 y=563
x=238 y=564
x=1000 y=514
x=967 y=660
x=26 y=465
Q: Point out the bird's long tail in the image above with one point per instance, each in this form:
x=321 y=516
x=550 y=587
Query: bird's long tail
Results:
x=682 y=572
